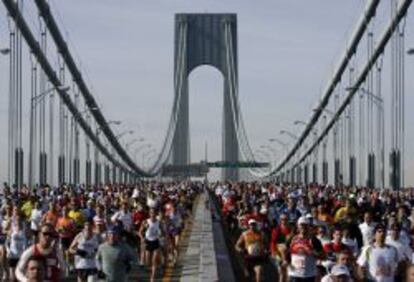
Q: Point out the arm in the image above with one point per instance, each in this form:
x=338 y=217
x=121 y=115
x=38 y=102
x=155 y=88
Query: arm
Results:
x=114 y=218
x=362 y=264
x=74 y=245
x=142 y=229
x=98 y=258
x=21 y=266
x=240 y=244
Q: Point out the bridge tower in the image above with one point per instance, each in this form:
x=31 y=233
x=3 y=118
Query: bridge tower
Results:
x=206 y=39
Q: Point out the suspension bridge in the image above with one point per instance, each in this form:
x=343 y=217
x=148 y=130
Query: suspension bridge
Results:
x=354 y=136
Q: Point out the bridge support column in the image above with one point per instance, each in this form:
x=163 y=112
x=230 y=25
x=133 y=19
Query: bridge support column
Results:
x=88 y=173
x=371 y=170
x=306 y=174
x=337 y=172
x=42 y=168
x=97 y=173
x=106 y=173
x=352 y=171
x=395 y=164
x=325 y=172
x=315 y=172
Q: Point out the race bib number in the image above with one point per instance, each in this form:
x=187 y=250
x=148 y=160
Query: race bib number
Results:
x=254 y=249
x=298 y=262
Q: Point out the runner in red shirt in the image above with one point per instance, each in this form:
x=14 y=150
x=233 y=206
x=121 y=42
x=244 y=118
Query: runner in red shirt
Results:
x=47 y=250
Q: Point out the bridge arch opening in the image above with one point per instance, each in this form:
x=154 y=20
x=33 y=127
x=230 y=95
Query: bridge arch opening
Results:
x=206 y=86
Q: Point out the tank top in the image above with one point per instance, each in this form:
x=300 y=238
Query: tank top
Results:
x=52 y=264
x=17 y=244
x=90 y=246
x=302 y=265
x=253 y=242
x=153 y=231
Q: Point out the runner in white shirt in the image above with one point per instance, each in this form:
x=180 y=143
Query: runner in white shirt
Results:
x=394 y=239
x=367 y=229
x=150 y=231
x=16 y=243
x=84 y=247
x=378 y=261
x=36 y=219
x=124 y=216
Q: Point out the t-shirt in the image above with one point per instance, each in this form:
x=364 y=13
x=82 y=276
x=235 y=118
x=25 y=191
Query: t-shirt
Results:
x=113 y=260
x=381 y=262
x=367 y=232
x=303 y=264
x=65 y=227
x=125 y=218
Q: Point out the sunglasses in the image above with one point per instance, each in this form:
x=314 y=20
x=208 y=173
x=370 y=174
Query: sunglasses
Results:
x=50 y=234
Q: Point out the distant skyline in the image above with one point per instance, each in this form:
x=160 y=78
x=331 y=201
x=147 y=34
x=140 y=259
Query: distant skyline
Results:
x=287 y=52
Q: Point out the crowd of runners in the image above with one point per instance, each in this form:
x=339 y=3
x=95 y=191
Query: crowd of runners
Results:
x=92 y=233
x=313 y=233
x=319 y=233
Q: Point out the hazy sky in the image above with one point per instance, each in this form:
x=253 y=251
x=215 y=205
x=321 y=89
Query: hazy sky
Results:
x=287 y=52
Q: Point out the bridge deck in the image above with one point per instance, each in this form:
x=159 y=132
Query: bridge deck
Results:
x=196 y=260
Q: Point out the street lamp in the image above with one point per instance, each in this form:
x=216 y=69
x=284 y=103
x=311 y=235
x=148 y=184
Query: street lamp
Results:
x=329 y=112
x=32 y=134
x=130 y=143
x=379 y=101
x=274 y=154
x=137 y=150
x=5 y=51
x=293 y=136
x=410 y=51
x=300 y=122
x=124 y=133
x=44 y=93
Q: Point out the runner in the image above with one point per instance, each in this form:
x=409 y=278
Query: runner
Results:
x=305 y=250
x=47 y=250
x=150 y=233
x=251 y=244
x=378 y=261
x=114 y=258
x=84 y=247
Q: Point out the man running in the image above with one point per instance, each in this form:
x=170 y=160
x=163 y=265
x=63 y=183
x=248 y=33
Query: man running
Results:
x=114 y=258
x=378 y=261
x=46 y=249
x=251 y=244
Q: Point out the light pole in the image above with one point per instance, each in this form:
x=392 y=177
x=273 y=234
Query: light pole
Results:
x=378 y=100
x=284 y=146
x=337 y=160
x=315 y=155
x=137 y=150
x=118 y=137
x=35 y=99
x=96 y=158
x=130 y=143
x=298 y=174
x=273 y=152
x=144 y=153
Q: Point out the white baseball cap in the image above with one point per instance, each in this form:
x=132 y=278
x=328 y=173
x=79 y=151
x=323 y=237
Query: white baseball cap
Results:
x=252 y=221
x=340 y=269
x=303 y=220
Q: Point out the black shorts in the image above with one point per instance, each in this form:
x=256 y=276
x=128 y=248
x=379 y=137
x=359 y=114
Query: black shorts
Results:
x=84 y=273
x=12 y=262
x=151 y=246
x=252 y=261
x=65 y=242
